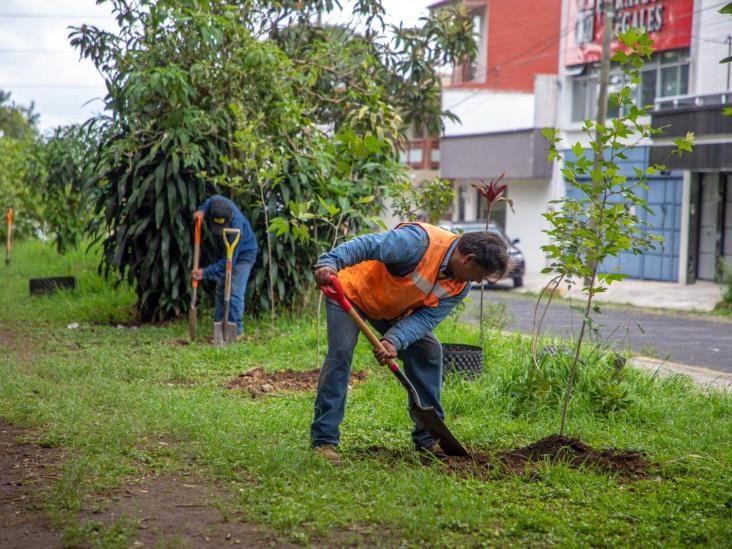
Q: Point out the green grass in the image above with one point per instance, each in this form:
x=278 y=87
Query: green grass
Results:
x=109 y=396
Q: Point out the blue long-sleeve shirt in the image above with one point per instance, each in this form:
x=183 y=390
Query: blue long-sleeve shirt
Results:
x=400 y=250
x=245 y=251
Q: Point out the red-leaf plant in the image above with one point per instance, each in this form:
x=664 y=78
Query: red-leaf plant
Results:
x=493 y=192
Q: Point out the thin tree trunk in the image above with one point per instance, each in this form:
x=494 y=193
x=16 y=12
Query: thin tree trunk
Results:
x=578 y=348
x=265 y=209
x=482 y=284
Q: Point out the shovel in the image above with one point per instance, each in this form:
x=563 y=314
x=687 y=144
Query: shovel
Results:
x=193 y=312
x=225 y=331
x=9 y=243
x=426 y=415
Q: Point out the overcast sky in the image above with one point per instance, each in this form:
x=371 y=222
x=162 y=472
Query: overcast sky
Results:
x=38 y=64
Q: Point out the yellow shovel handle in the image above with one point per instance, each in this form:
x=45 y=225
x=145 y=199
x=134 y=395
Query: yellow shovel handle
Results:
x=230 y=246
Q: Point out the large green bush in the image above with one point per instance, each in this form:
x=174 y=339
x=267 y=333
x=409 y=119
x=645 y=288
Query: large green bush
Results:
x=259 y=100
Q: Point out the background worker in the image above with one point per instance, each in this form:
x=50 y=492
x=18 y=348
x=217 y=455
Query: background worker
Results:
x=221 y=213
x=405 y=282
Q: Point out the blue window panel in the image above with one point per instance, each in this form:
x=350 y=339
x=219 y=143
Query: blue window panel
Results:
x=631 y=265
x=652 y=267
x=664 y=196
x=657 y=218
x=611 y=265
x=668 y=267
x=657 y=192
x=669 y=220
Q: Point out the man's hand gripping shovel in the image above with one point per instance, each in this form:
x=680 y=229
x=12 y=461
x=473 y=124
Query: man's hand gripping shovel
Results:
x=427 y=416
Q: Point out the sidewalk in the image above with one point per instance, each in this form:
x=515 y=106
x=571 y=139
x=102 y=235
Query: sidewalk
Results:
x=703 y=376
x=700 y=296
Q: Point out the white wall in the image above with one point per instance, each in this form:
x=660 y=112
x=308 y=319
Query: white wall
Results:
x=530 y=199
x=708 y=45
x=484 y=111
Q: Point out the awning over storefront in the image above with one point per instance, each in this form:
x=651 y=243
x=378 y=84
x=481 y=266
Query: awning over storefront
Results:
x=521 y=154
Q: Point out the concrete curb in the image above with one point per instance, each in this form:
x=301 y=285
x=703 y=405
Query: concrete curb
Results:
x=702 y=376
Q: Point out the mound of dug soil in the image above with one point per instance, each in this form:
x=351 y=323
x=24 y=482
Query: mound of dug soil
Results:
x=258 y=382
x=556 y=448
x=485 y=465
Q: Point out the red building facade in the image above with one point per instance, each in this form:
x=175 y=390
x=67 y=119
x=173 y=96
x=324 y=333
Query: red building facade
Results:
x=517 y=39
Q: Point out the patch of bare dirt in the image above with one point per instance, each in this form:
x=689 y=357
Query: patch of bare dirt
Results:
x=556 y=448
x=258 y=382
x=24 y=469
x=179 y=511
x=482 y=464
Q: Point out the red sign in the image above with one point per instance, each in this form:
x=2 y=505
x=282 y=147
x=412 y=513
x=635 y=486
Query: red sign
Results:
x=668 y=23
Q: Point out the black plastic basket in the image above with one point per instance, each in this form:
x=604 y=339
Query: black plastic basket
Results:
x=464 y=360
x=39 y=286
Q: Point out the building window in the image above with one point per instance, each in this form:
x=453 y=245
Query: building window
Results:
x=422 y=154
x=666 y=74
x=434 y=155
x=475 y=71
x=584 y=97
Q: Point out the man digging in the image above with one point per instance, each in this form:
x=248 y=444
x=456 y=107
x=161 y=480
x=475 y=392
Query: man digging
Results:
x=220 y=213
x=404 y=282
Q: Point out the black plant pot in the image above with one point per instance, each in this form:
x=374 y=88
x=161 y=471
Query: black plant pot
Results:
x=40 y=286
x=464 y=360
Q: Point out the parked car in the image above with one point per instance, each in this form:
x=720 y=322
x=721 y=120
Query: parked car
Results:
x=517 y=258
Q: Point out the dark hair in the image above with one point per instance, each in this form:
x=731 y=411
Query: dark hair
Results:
x=489 y=249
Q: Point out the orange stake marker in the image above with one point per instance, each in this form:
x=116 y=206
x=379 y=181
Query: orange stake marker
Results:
x=9 y=243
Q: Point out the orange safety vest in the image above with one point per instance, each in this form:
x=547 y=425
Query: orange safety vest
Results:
x=382 y=296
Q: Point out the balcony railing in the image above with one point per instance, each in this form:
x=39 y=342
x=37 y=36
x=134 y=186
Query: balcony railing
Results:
x=690 y=101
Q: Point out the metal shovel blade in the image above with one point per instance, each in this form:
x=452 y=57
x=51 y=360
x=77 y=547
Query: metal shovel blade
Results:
x=192 y=320
x=436 y=427
x=224 y=333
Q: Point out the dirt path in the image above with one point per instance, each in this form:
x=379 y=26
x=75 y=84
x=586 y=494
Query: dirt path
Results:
x=159 y=510
x=180 y=511
x=163 y=510
x=24 y=469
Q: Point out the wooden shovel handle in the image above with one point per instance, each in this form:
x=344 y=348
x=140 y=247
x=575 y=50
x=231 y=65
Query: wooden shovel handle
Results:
x=198 y=216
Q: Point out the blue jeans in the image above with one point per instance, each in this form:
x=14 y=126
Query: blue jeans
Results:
x=422 y=362
x=239 y=277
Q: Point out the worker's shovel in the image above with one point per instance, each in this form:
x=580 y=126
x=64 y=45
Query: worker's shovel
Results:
x=426 y=415
x=225 y=331
x=193 y=311
x=9 y=242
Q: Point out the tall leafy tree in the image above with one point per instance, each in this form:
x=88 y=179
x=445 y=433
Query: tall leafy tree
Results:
x=21 y=167
x=262 y=101
x=67 y=198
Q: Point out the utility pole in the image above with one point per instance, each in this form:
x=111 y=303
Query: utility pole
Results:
x=607 y=39
x=608 y=13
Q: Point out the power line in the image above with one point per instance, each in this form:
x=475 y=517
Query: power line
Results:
x=52 y=16
x=37 y=51
x=50 y=87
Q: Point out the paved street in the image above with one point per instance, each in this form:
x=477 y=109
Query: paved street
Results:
x=691 y=341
